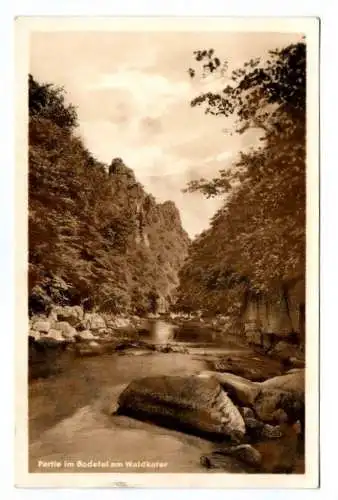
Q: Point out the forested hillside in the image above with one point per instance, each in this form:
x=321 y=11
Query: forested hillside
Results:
x=256 y=242
x=96 y=238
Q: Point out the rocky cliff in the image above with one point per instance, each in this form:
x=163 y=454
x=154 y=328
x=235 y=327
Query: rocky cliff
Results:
x=96 y=237
x=279 y=315
x=158 y=234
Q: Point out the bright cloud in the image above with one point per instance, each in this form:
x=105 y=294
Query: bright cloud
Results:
x=152 y=93
x=224 y=156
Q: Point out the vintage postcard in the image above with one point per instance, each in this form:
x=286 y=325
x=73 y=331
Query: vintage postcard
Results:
x=167 y=208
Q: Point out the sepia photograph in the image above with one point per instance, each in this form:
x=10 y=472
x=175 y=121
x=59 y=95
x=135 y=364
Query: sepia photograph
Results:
x=167 y=184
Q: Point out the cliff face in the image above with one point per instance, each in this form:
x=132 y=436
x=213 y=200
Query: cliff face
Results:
x=158 y=235
x=280 y=315
x=96 y=238
x=211 y=284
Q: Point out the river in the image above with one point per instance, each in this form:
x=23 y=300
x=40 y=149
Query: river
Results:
x=69 y=413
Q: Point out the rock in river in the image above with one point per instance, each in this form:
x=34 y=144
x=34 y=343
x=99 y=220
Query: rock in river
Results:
x=286 y=392
x=245 y=453
x=186 y=403
x=68 y=332
x=85 y=335
x=272 y=400
x=256 y=368
x=291 y=382
x=242 y=391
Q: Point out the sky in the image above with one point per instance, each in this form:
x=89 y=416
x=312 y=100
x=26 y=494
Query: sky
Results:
x=132 y=92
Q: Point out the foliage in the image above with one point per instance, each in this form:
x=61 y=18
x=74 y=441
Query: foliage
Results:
x=256 y=240
x=48 y=101
x=83 y=220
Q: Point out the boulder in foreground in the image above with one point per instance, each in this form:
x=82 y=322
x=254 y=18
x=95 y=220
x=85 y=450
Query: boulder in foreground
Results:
x=291 y=382
x=185 y=403
x=272 y=400
x=242 y=391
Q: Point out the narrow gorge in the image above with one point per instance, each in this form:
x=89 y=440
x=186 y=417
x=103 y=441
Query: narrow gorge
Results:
x=146 y=345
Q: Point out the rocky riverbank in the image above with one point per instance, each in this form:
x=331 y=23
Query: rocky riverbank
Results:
x=240 y=416
x=224 y=405
x=68 y=333
x=71 y=330
x=85 y=413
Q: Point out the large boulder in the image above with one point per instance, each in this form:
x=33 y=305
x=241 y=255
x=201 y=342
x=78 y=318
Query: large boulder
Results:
x=290 y=382
x=188 y=403
x=268 y=404
x=242 y=391
x=71 y=314
x=286 y=392
x=272 y=400
x=85 y=335
x=42 y=326
x=68 y=331
x=55 y=335
x=94 y=322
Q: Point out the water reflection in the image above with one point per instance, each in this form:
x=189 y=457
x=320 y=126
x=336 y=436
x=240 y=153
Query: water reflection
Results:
x=161 y=332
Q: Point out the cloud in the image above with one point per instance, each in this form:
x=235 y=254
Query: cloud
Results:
x=224 y=156
x=133 y=93
x=152 y=93
x=150 y=125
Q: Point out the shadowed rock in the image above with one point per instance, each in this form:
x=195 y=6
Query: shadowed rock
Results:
x=243 y=453
x=242 y=391
x=256 y=368
x=268 y=456
x=268 y=404
x=291 y=382
x=226 y=463
x=44 y=356
x=280 y=456
x=257 y=430
x=286 y=392
x=272 y=400
x=186 y=403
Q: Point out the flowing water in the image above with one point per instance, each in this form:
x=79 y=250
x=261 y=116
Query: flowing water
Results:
x=70 y=421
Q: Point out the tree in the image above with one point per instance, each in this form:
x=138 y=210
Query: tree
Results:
x=48 y=101
x=267 y=95
x=83 y=221
x=257 y=238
